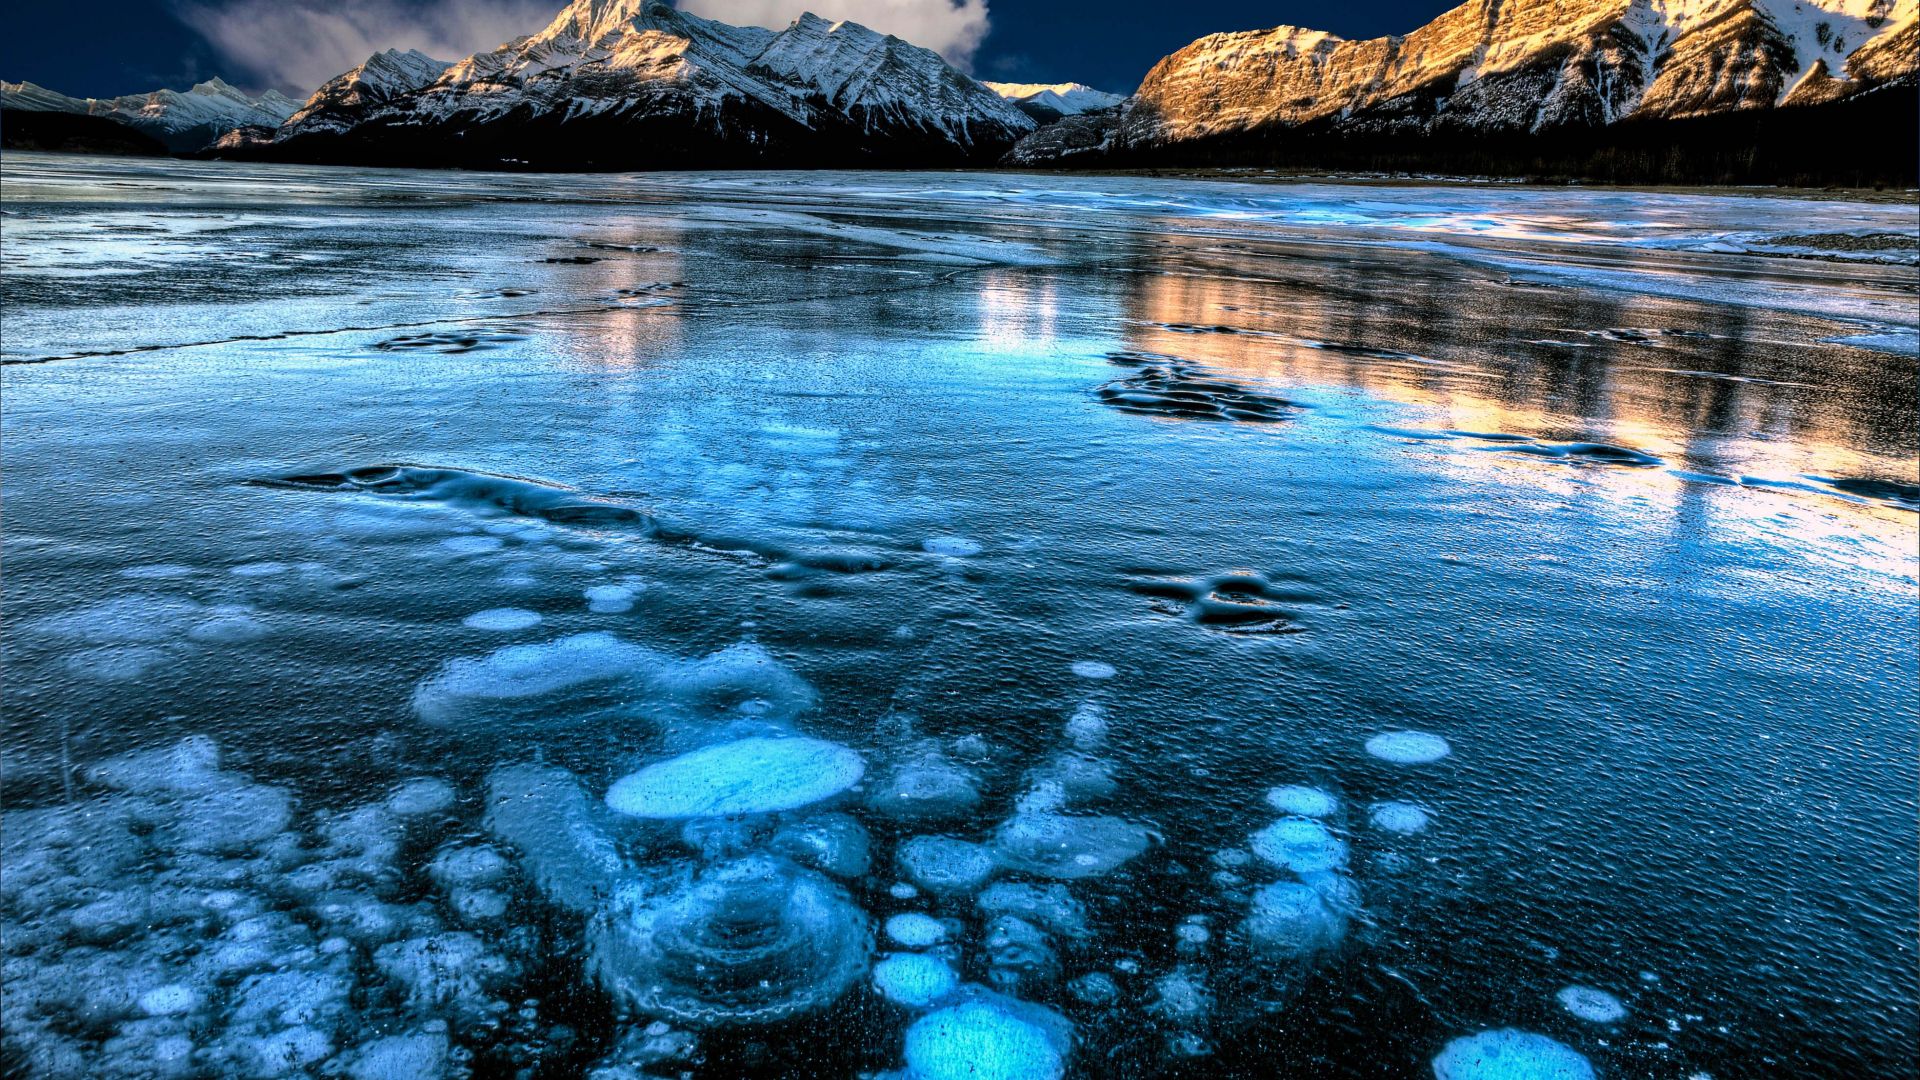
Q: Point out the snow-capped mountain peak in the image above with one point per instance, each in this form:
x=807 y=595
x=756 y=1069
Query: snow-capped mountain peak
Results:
x=705 y=91
x=1067 y=98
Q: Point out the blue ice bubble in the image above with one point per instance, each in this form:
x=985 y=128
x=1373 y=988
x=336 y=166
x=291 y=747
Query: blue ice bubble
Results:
x=502 y=619
x=1300 y=844
x=563 y=836
x=1094 y=669
x=981 y=1040
x=928 y=789
x=916 y=931
x=1067 y=846
x=1291 y=918
x=1510 y=1055
x=1302 y=801
x=476 y=687
x=834 y=843
x=1398 y=817
x=610 y=599
x=1408 y=747
x=1050 y=905
x=915 y=980
x=957 y=547
x=759 y=775
x=472 y=545
x=757 y=940
x=943 y=864
x=1594 y=1006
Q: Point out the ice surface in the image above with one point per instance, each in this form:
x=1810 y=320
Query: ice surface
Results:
x=1408 y=747
x=1507 y=1054
x=958 y=547
x=755 y=940
x=1594 y=1006
x=747 y=776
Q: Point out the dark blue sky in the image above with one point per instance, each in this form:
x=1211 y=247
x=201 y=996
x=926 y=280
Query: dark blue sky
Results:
x=108 y=47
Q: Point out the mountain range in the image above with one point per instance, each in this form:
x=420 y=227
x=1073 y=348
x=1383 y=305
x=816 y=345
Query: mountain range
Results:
x=1717 y=90
x=638 y=84
x=181 y=121
x=1522 y=74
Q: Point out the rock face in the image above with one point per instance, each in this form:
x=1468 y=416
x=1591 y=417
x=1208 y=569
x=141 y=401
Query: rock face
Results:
x=1507 y=68
x=181 y=121
x=637 y=84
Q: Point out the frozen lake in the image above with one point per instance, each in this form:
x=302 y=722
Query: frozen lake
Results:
x=944 y=625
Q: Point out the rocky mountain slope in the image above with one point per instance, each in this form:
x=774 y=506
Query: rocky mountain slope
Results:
x=637 y=84
x=181 y=121
x=1508 y=68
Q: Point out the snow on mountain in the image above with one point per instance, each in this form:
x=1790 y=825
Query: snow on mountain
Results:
x=634 y=83
x=1518 y=67
x=183 y=121
x=345 y=99
x=1065 y=99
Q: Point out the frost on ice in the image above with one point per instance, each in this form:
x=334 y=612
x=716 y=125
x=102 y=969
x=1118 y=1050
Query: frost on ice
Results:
x=1507 y=1054
x=758 y=775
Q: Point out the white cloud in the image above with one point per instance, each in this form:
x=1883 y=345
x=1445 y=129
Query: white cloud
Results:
x=296 y=45
x=952 y=29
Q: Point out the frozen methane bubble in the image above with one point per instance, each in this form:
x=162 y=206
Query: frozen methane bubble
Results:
x=421 y=1056
x=1290 y=918
x=916 y=931
x=1507 y=1054
x=1067 y=847
x=915 y=980
x=930 y=789
x=1302 y=845
x=610 y=599
x=958 y=547
x=1049 y=905
x=759 y=775
x=562 y=835
x=1094 y=669
x=1408 y=747
x=585 y=666
x=423 y=796
x=1398 y=817
x=944 y=864
x=1591 y=1005
x=1300 y=800
x=190 y=766
x=988 y=1038
x=442 y=969
x=834 y=843
x=170 y=1000
x=755 y=940
x=234 y=819
x=502 y=619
